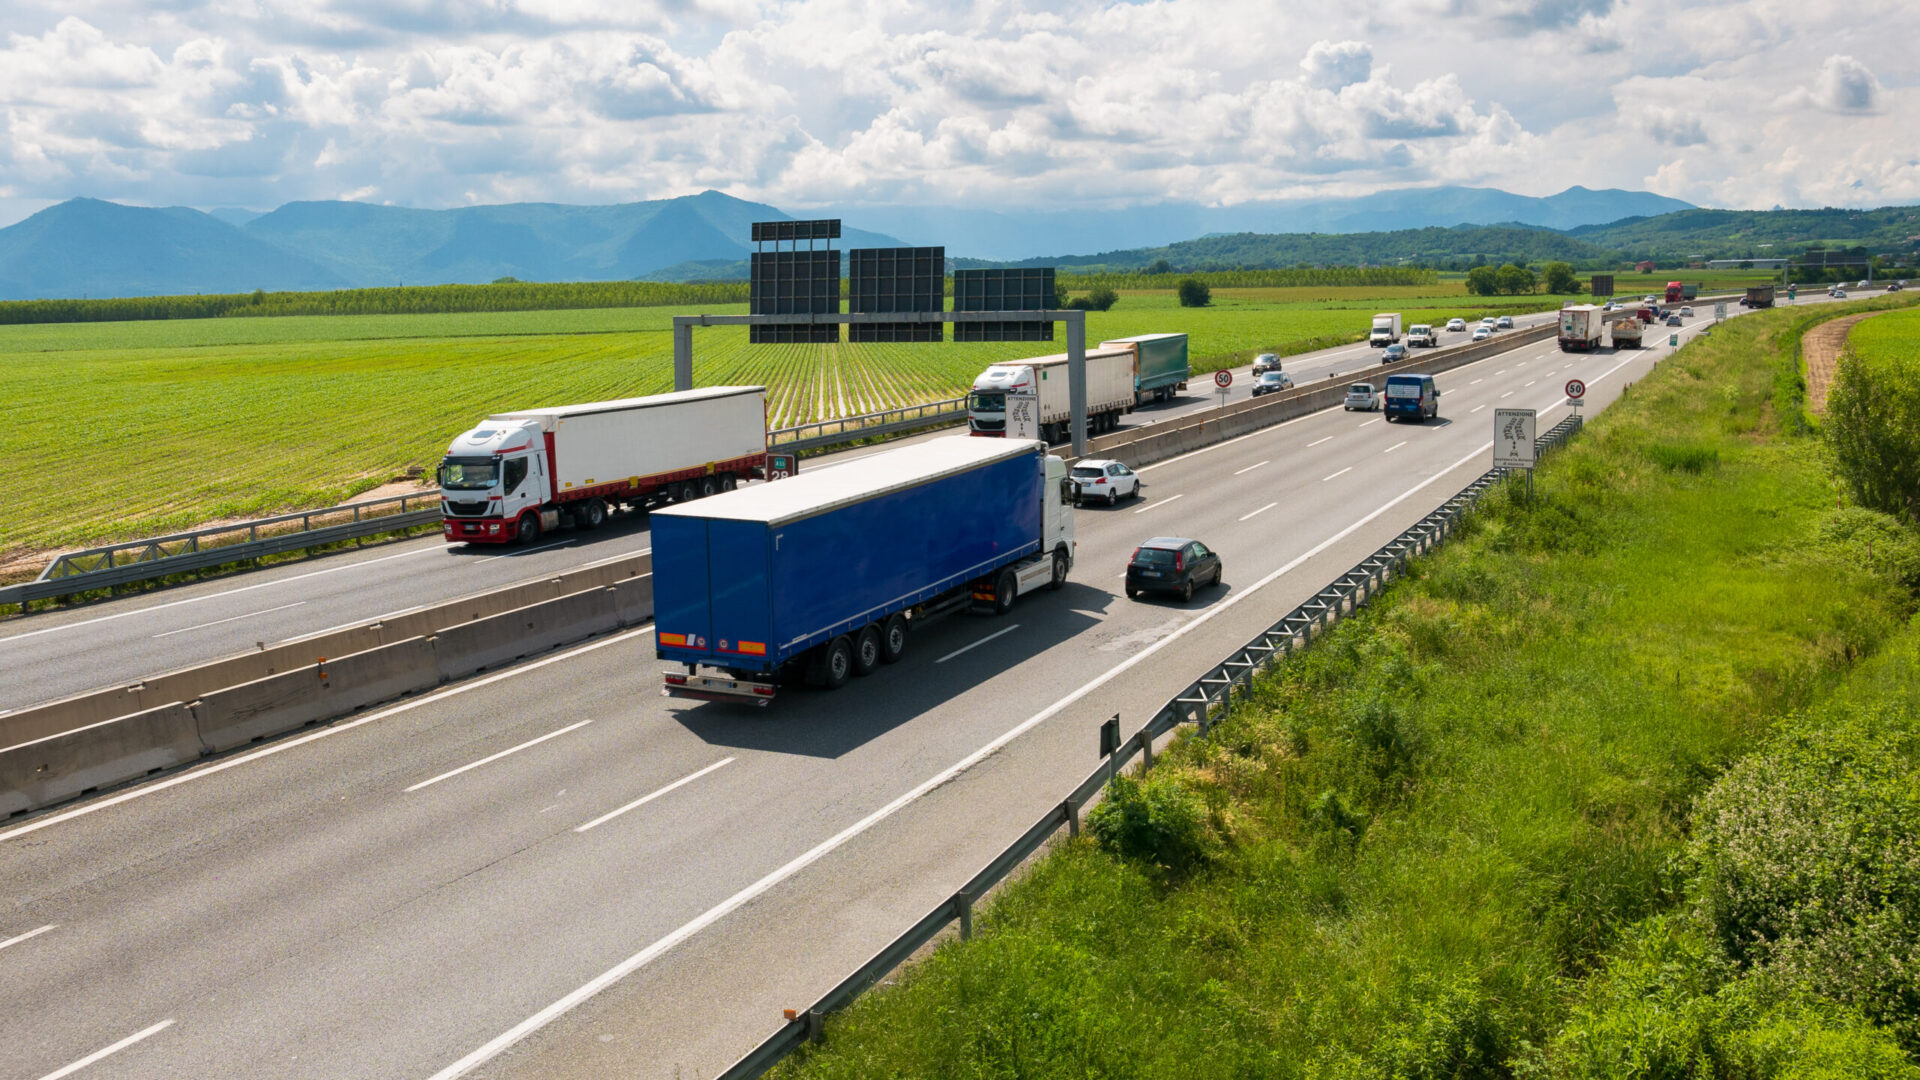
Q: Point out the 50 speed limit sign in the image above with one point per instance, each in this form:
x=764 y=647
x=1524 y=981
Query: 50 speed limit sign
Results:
x=1576 y=389
x=1223 y=379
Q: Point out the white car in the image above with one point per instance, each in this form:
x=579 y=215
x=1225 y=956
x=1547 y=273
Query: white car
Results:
x=1456 y=325
x=1687 y=312
x=1863 y=285
x=1487 y=324
x=1099 y=479
x=1482 y=333
x=1649 y=299
x=1362 y=396
x=1505 y=322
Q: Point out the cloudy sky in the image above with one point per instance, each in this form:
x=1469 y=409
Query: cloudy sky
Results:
x=434 y=103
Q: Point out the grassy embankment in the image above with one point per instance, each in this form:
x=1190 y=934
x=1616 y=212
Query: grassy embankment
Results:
x=1622 y=783
x=140 y=428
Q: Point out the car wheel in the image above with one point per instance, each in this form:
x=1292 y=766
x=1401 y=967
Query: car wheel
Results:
x=1219 y=571
x=1132 y=593
x=866 y=650
x=1186 y=591
x=893 y=639
x=1112 y=497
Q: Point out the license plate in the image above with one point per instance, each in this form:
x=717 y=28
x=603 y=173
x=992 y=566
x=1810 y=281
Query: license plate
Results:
x=1149 y=573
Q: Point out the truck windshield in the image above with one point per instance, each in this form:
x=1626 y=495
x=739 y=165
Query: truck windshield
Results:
x=987 y=401
x=469 y=474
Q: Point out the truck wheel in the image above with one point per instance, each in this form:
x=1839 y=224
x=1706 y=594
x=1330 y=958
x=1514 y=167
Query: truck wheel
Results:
x=727 y=482
x=1059 y=571
x=837 y=665
x=592 y=515
x=893 y=639
x=686 y=492
x=1006 y=588
x=529 y=528
x=709 y=486
x=867 y=653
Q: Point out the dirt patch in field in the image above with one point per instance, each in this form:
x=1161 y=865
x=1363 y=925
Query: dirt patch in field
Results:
x=1821 y=348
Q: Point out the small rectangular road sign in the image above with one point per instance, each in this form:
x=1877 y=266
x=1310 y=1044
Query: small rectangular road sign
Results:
x=1513 y=438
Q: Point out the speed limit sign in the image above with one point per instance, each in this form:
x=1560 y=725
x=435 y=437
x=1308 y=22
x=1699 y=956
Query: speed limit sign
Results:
x=1223 y=379
x=1576 y=389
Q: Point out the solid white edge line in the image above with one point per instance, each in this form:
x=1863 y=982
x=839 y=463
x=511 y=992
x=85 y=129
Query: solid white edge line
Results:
x=1337 y=475
x=1256 y=465
x=652 y=795
x=233 y=618
x=982 y=641
x=1161 y=503
x=114 y=1049
x=280 y=747
x=491 y=758
x=1260 y=511
x=28 y=934
x=538 y=1020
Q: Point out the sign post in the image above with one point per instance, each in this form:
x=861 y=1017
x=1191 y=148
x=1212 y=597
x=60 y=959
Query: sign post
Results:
x=1222 y=379
x=1023 y=415
x=1513 y=433
x=1575 y=391
x=1720 y=310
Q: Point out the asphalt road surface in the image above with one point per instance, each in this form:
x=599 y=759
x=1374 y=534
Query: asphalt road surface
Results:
x=554 y=872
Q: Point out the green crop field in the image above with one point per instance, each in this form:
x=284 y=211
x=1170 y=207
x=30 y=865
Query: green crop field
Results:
x=140 y=428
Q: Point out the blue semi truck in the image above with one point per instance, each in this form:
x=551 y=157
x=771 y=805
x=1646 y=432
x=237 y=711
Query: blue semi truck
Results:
x=825 y=575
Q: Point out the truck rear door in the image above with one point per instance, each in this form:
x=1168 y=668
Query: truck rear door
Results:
x=739 y=582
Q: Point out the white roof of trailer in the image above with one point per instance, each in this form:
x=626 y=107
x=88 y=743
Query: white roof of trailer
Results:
x=1055 y=359
x=560 y=412
x=834 y=486
x=1140 y=337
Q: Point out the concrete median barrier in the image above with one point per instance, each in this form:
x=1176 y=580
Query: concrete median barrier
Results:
x=633 y=600
x=476 y=646
x=59 y=767
x=237 y=715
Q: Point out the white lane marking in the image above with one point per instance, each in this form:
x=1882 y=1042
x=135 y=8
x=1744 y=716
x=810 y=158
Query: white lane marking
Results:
x=1476 y=382
x=1317 y=442
x=492 y=1047
x=491 y=758
x=1394 y=447
x=215 y=596
x=1502 y=371
x=1530 y=383
x=1260 y=511
x=652 y=795
x=1476 y=409
x=529 y=551
x=114 y=1049
x=1371 y=422
x=280 y=747
x=236 y=618
x=1337 y=475
x=1257 y=464
x=1161 y=503
x=982 y=641
x=29 y=934
x=1506 y=395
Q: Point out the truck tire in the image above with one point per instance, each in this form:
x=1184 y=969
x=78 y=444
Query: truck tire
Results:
x=1059 y=580
x=592 y=514
x=867 y=653
x=728 y=482
x=836 y=663
x=686 y=492
x=893 y=639
x=529 y=528
x=1006 y=589
x=709 y=486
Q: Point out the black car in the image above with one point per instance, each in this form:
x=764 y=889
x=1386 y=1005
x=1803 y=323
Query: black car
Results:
x=1172 y=564
x=1272 y=382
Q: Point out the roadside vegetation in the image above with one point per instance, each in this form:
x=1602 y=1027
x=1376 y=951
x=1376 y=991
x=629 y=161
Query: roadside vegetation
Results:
x=1624 y=782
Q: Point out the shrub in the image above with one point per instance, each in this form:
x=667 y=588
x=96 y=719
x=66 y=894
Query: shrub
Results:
x=1159 y=819
x=1873 y=427
x=1194 y=293
x=1102 y=298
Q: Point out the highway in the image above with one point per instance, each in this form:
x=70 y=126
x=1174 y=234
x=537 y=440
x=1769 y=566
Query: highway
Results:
x=135 y=636
x=552 y=871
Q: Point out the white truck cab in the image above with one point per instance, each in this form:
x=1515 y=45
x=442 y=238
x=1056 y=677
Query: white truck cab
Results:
x=494 y=473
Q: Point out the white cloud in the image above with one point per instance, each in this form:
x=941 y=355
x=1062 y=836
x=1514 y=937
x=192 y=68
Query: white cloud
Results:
x=1845 y=85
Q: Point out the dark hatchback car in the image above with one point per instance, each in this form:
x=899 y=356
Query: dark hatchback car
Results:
x=1172 y=564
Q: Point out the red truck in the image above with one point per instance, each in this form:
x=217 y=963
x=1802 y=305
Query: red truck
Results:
x=1674 y=291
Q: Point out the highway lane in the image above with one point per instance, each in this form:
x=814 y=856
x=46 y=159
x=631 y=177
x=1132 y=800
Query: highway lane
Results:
x=298 y=910
x=126 y=639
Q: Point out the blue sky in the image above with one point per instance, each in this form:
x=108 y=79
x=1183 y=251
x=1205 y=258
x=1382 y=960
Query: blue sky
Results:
x=435 y=103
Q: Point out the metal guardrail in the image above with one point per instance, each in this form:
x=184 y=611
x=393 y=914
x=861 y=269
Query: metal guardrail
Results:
x=887 y=421
x=143 y=560
x=1198 y=704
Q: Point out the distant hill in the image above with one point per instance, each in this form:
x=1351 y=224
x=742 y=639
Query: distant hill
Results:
x=86 y=247
x=93 y=248
x=1455 y=247
x=1024 y=234
x=1732 y=234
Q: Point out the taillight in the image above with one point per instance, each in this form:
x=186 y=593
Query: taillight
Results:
x=1179 y=562
x=676 y=680
x=763 y=691
x=1102 y=480
x=1135 y=557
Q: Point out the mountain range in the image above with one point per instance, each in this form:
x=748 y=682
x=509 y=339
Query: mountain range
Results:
x=87 y=247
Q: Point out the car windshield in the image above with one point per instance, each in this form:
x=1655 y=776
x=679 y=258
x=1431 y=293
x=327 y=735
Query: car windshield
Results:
x=1271 y=377
x=1087 y=472
x=469 y=474
x=1360 y=388
x=987 y=401
x=1153 y=557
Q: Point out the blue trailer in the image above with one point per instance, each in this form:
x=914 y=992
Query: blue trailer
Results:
x=824 y=575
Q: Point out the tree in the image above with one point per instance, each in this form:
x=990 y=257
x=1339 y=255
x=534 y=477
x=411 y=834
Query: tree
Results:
x=1873 y=426
x=1159 y=266
x=1515 y=280
x=1483 y=281
x=1060 y=301
x=1194 y=293
x=1102 y=298
x=1560 y=278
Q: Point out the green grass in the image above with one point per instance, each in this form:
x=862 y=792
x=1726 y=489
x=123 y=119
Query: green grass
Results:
x=141 y=428
x=1894 y=337
x=1416 y=852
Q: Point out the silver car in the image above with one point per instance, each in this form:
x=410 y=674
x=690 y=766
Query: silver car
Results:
x=1362 y=396
x=1266 y=362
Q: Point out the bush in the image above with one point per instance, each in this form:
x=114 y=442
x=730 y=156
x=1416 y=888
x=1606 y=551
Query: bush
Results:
x=1483 y=281
x=1102 y=298
x=1194 y=293
x=1873 y=428
x=1160 y=819
x=1560 y=278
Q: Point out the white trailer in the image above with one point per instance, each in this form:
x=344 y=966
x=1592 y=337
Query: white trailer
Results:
x=1582 y=326
x=518 y=473
x=1110 y=393
x=1386 y=330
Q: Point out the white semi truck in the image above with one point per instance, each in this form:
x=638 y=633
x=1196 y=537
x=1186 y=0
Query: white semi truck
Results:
x=1386 y=330
x=1582 y=328
x=519 y=473
x=1110 y=392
